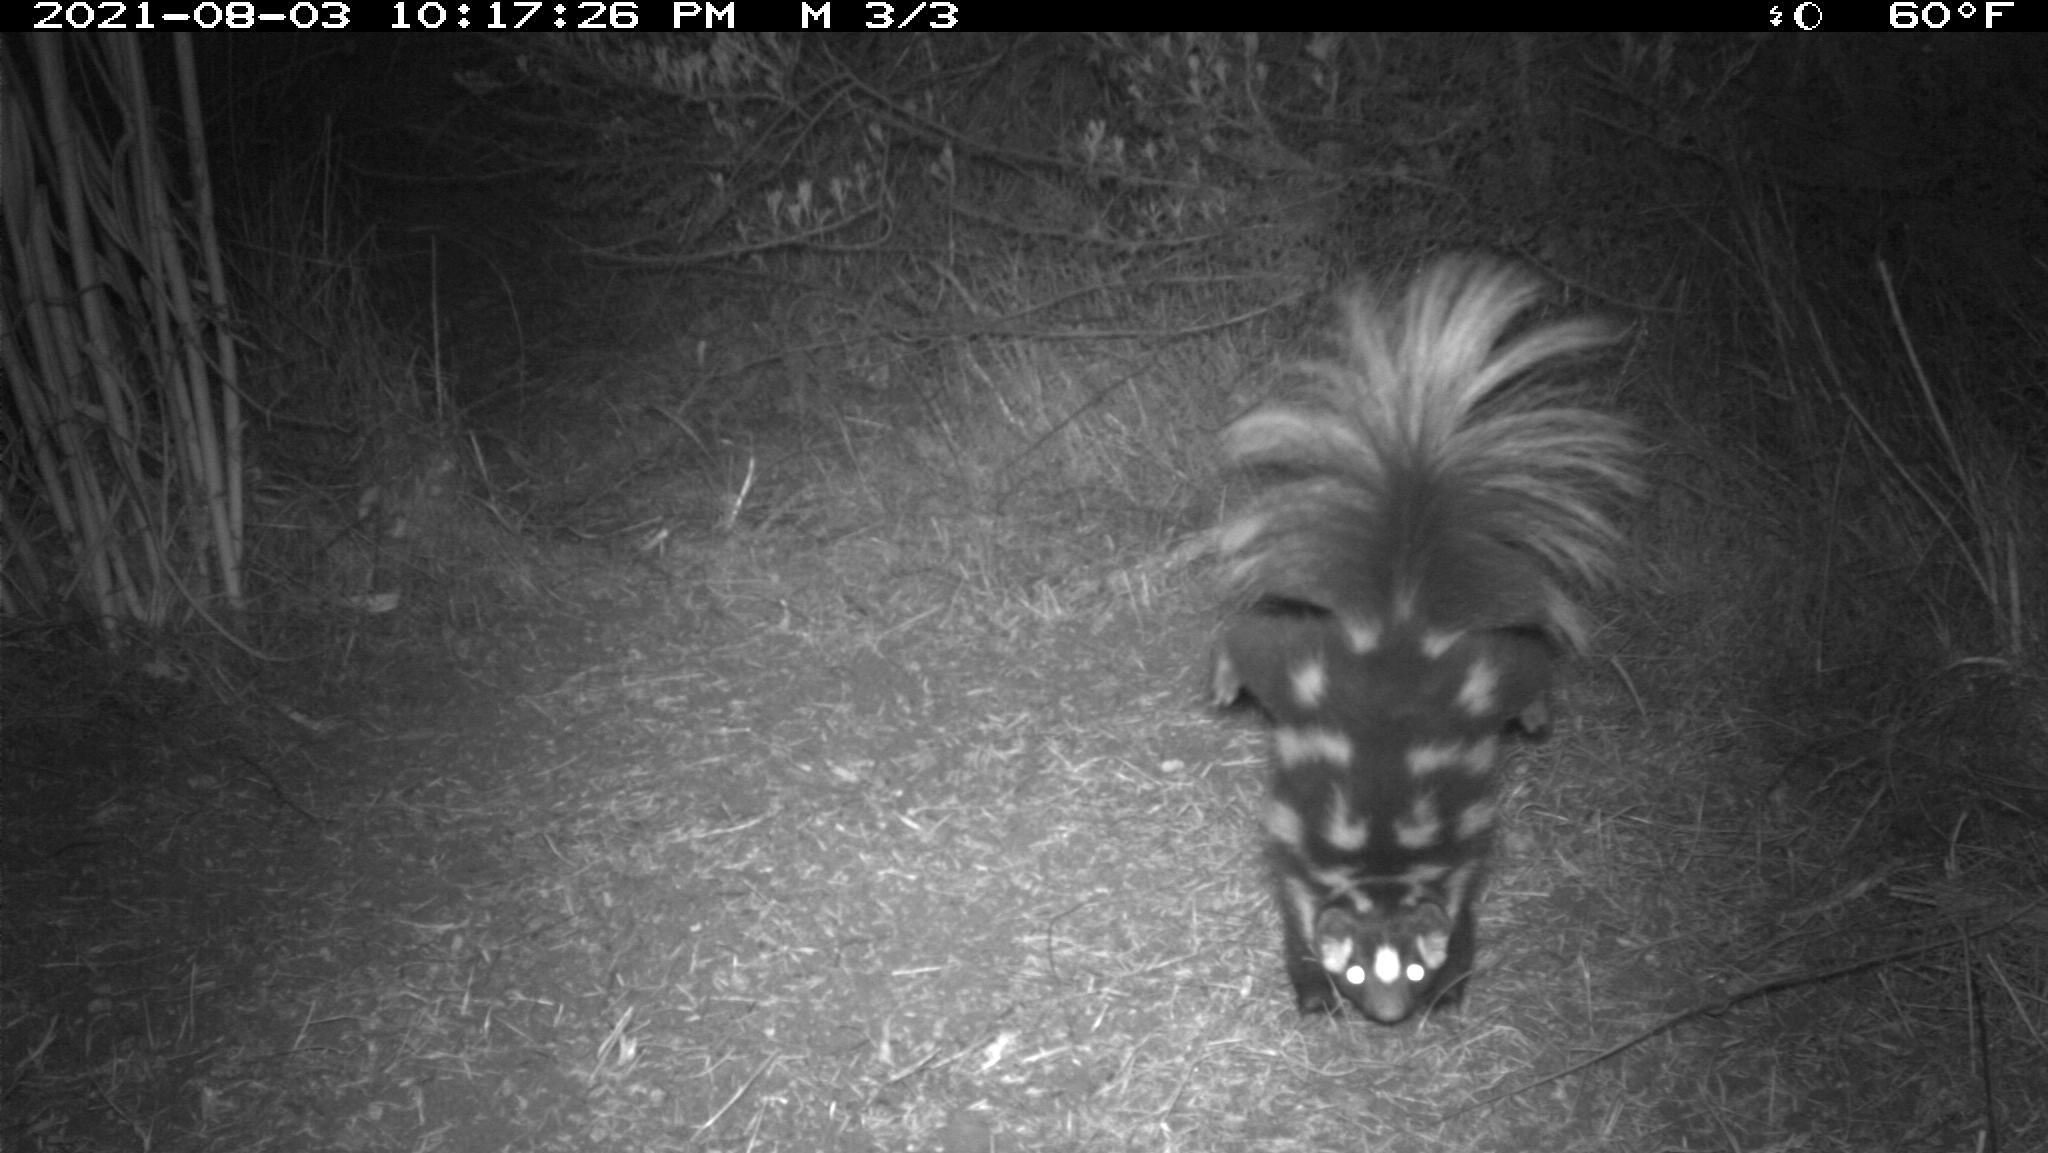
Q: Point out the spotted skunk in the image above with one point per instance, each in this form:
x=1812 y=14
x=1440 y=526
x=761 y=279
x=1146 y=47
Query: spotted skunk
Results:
x=1396 y=588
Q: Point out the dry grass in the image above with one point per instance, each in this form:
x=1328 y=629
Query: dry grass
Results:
x=790 y=735
x=825 y=858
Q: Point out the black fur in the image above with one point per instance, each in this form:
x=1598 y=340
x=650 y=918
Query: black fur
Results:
x=1397 y=591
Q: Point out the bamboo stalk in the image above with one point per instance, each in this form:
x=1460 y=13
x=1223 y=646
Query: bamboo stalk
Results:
x=231 y=542
x=131 y=429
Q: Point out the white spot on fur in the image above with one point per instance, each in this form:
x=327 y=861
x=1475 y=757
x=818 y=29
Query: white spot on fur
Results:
x=1421 y=827
x=1345 y=830
x=1310 y=681
x=1435 y=756
x=1284 y=823
x=1476 y=819
x=1300 y=746
x=1362 y=634
x=1334 y=880
x=1386 y=965
x=1404 y=604
x=1335 y=953
x=1422 y=875
x=1238 y=534
x=1302 y=901
x=1479 y=695
x=1434 y=949
x=1435 y=644
x=1225 y=684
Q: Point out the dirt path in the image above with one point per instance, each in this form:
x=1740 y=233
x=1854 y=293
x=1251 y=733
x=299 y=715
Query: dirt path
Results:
x=623 y=879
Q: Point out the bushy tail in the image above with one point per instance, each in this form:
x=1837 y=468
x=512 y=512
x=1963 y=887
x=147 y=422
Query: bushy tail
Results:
x=1411 y=485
